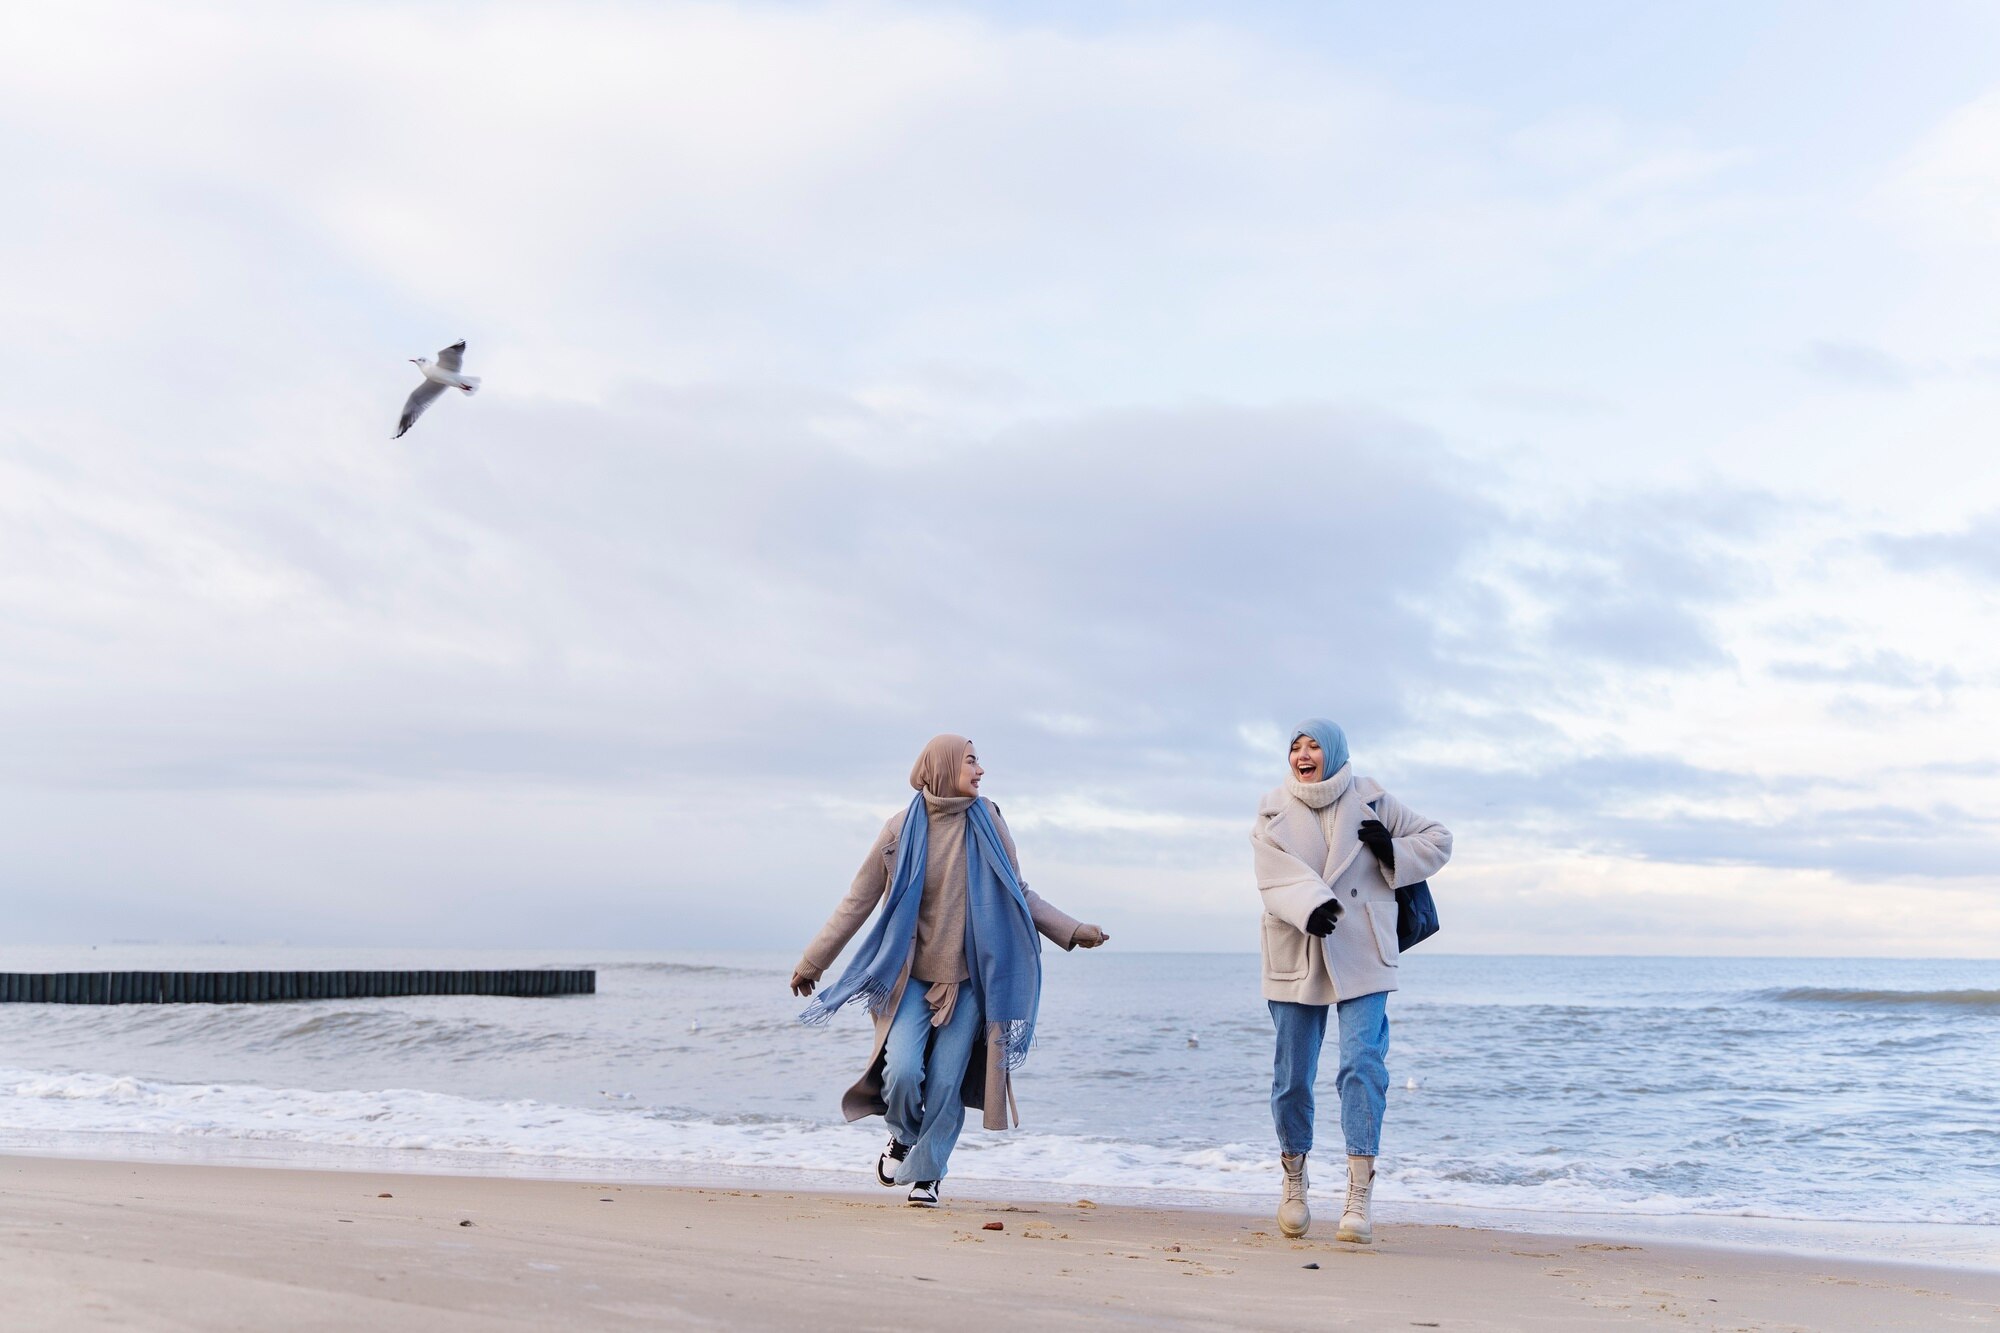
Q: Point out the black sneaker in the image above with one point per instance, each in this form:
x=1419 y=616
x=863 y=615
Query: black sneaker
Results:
x=885 y=1168
x=923 y=1194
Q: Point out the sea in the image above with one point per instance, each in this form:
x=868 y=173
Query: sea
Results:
x=1808 y=1105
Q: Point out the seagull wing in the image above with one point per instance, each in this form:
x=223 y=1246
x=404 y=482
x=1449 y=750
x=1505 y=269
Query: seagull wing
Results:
x=452 y=357
x=420 y=398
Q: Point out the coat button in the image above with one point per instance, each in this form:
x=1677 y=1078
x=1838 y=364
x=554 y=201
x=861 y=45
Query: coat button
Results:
x=1354 y=893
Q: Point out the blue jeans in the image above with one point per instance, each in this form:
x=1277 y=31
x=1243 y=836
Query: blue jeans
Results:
x=923 y=1070
x=1363 y=1080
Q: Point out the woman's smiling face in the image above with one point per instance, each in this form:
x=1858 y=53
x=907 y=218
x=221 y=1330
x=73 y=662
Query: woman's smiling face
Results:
x=969 y=773
x=1308 y=760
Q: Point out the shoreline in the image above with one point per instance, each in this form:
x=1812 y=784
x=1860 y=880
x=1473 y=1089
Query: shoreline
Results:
x=1941 y=1246
x=149 y=1244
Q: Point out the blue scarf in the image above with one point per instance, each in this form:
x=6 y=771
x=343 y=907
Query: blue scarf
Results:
x=1003 y=952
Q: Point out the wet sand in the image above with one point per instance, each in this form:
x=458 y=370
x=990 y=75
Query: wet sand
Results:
x=165 y=1246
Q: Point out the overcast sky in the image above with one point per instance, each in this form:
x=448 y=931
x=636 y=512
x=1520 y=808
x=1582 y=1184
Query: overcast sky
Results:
x=1591 y=407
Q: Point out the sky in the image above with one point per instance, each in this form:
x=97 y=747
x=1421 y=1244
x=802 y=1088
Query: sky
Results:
x=1591 y=408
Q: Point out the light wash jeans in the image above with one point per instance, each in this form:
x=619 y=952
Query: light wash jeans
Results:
x=1363 y=1081
x=923 y=1071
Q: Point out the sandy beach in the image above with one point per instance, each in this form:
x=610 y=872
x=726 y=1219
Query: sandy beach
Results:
x=155 y=1246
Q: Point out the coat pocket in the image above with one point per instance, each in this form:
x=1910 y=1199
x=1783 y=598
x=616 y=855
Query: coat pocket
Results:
x=1382 y=916
x=1287 y=952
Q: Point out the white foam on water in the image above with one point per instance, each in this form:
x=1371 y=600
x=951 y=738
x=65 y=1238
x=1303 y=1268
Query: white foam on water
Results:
x=1675 y=1094
x=36 y=1107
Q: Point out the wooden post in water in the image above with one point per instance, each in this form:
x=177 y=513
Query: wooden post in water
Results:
x=262 y=987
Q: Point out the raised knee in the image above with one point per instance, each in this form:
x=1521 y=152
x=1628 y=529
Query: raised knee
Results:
x=902 y=1084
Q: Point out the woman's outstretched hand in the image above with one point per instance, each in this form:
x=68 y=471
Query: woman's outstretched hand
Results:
x=803 y=984
x=1089 y=937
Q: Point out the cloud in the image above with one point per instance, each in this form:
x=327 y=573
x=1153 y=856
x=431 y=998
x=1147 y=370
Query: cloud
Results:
x=1542 y=400
x=1860 y=844
x=1978 y=768
x=1948 y=187
x=1973 y=551
x=1632 y=581
x=1661 y=809
x=498 y=603
x=837 y=392
x=701 y=192
x=1598 y=782
x=1885 y=668
x=710 y=599
x=1855 y=364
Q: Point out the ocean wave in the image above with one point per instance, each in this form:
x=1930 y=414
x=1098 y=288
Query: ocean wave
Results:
x=358 y=1030
x=1969 y=999
x=339 y=1030
x=630 y=1137
x=690 y=969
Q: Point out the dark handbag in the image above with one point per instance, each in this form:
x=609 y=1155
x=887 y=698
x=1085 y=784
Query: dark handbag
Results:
x=1416 y=915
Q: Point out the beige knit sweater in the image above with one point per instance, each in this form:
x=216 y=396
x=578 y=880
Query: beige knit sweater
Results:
x=940 y=947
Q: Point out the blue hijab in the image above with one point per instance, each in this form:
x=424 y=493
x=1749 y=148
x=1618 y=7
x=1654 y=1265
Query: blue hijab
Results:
x=1001 y=946
x=1332 y=740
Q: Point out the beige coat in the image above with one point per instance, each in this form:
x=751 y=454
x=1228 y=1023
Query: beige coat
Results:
x=987 y=1084
x=1304 y=857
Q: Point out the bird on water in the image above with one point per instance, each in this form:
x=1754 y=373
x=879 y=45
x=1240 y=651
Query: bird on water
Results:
x=444 y=374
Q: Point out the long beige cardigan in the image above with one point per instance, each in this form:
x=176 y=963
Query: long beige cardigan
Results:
x=987 y=1085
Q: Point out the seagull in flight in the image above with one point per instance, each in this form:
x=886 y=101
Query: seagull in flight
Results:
x=437 y=378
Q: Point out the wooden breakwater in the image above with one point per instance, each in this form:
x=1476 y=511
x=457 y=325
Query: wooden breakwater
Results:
x=259 y=987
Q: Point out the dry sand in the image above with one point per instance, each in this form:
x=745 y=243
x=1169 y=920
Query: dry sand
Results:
x=154 y=1246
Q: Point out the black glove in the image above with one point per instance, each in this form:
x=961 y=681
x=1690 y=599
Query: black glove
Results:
x=1375 y=837
x=1323 y=919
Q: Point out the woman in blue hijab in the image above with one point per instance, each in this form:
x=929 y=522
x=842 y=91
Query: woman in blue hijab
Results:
x=1330 y=850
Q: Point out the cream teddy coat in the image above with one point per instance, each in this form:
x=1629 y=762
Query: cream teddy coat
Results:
x=1307 y=849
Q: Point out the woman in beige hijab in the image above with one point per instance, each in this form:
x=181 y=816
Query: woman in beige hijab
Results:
x=959 y=923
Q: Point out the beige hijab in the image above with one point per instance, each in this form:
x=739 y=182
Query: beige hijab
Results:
x=938 y=767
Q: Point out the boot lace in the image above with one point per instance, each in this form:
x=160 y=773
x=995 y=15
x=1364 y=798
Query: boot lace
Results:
x=1295 y=1184
x=1357 y=1193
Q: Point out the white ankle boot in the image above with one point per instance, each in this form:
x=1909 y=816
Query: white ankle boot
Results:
x=1354 y=1217
x=1293 y=1215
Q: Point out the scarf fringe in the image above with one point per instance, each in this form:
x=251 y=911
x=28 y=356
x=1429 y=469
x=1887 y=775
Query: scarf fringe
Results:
x=872 y=973
x=819 y=1013
x=1018 y=1036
